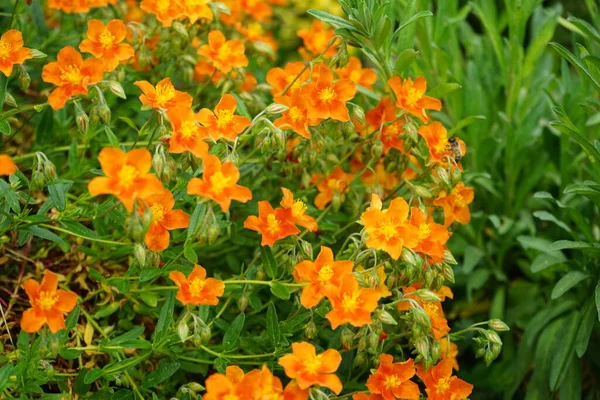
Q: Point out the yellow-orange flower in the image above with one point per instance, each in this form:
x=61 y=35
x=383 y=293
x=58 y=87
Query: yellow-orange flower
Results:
x=441 y=385
x=389 y=230
x=12 y=51
x=219 y=183
x=352 y=304
x=335 y=183
x=7 y=165
x=48 y=304
x=315 y=39
x=186 y=134
x=449 y=350
x=298 y=211
x=456 y=204
x=104 y=43
x=272 y=224
x=410 y=96
x=197 y=9
x=365 y=396
x=296 y=117
x=225 y=387
x=223 y=123
x=127 y=176
x=164 y=96
x=392 y=380
x=310 y=369
x=164 y=219
x=324 y=275
x=354 y=72
x=197 y=289
x=166 y=11
x=71 y=74
x=436 y=137
x=383 y=113
x=294 y=73
x=327 y=99
x=224 y=54
x=432 y=237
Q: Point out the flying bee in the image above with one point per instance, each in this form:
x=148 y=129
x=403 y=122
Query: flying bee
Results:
x=457 y=147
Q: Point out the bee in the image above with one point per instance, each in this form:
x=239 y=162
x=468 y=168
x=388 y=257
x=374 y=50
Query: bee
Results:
x=457 y=148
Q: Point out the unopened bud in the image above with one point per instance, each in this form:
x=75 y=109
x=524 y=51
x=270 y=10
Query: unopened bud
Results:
x=358 y=113
x=347 y=338
x=408 y=256
x=489 y=357
x=456 y=176
x=311 y=330
x=82 y=121
x=498 y=325
x=372 y=342
x=337 y=201
x=24 y=79
x=422 y=346
x=37 y=180
x=104 y=113
x=276 y=108
x=421 y=318
x=183 y=330
x=195 y=387
x=494 y=338
x=139 y=252
x=385 y=317
x=449 y=258
x=430 y=275
x=377 y=150
x=422 y=191
x=442 y=174
x=435 y=350
x=242 y=303
x=427 y=295
x=117 y=89
x=448 y=273
x=205 y=334
x=213 y=233
x=49 y=170
x=94 y=116
x=152 y=259
x=359 y=360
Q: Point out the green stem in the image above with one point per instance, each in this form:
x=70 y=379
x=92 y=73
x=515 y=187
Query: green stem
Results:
x=234 y=356
x=56 y=228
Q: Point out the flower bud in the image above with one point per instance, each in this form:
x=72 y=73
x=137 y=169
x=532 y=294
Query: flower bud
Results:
x=422 y=191
x=408 y=256
x=213 y=233
x=104 y=113
x=430 y=275
x=498 y=325
x=427 y=295
x=456 y=176
x=116 y=88
x=449 y=258
x=242 y=303
x=372 y=342
x=442 y=174
x=359 y=360
x=139 y=253
x=337 y=201
x=24 y=79
x=205 y=334
x=311 y=330
x=49 y=170
x=422 y=346
x=195 y=387
x=385 y=317
x=347 y=338
x=260 y=275
x=183 y=330
x=276 y=108
x=152 y=259
x=377 y=150
x=494 y=338
x=448 y=273
x=489 y=357
x=307 y=249
x=358 y=113
x=435 y=350
x=37 y=180
x=317 y=394
x=94 y=116
x=82 y=121
x=421 y=318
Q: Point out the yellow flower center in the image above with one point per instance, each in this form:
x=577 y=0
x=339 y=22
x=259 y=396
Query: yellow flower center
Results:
x=106 y=38
x=218 y=182
x=189 y=129
x=290 y=78
x=393 y=130
x=47 y=300
x=355 y=75
x=430 y=308
x=158 y=212
x=459 y=201
x=327 y=95
x=298 y=208
x=71 y=74
x=163 y=5
x=255 y=30
x=413 y=96
x=350 y=301
x=164 y=93
x=320 y=41
x=392 y=382
x=295 y=114
x=224 y=52
x=272 y=224
x=387 y=228
x=313 y=364
x=5 y=48
x=127 y=175
x=325 y=273
x=196 y=286
x=230 y=397
x=424 y=231
x=332 y=184
x=443 y=384
x=224 y=118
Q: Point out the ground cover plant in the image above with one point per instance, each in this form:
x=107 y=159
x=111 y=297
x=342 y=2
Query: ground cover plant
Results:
x=252 y=199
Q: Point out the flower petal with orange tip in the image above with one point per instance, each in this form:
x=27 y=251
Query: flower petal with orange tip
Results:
x=7 y=165
x=12 y=51
x=196 y=289
x=272 y=224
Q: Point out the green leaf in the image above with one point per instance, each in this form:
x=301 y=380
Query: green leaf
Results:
x=412 y=20
x=280 y=290
x=3 y=86
x=269 y=263
x=564 y=351
x=189 y=253
x=443 y=89
x=166 y=369
x=92 y=375
x=569 y=244
x=46 y=234
x=81 y=387
x=112 y=139
x=273 y=325
x=5 y=374
x=196 y=219
x=58 y=193
x=333 y=20
x=463 y=123
x=233 y=333
x=79 y=229
x=5 y=127
x=567 y=282
x=597 y=296
x=546 y=216
x=575 y=61
x=404 y=60
x=71 y=321
x=165 y=318
x=588 y=319
x=127 y=336
x=107 y=310
x=130 y=123
x=546 y=260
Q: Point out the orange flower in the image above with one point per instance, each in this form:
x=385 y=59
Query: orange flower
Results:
x=281 y=78
x=432 y=237
x=127 y=176
x=354 y=72
x=164 y=219
x=164 y=96
x=335 y=182
x=12 y=51
x=384 y=112
x=219 y=183
x=225 y=387
x=48 y=304
x=390 y=136
x=78 y=6
x=323 y=275
x=376 y=280
x=249 y=82
x=392 y=380
x=449 y=350
x=7 y=165
x=389 y=229
x=260 y=384
x=440 y=383
x=352 y=304
x=71 y=74
x=298 y=211
x=271 y=224
x=224 y=54
x=186 y=134
x=436 y=137
x=365 y=396
x=309 y=369
x=259 y=10
x=410 y=96
x=293 y=392
x=296 y=117
x=223 y=123
x=255 y=32
x=165 y=10
x=433 y=309
x=316 y=39
x=456 y=204
x=327 y=99
x=197 y=9
x=104 y=43
x=197 y=289
x=380 y=176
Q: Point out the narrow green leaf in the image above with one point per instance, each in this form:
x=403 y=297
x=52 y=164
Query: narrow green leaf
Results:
x=165 y=318
x=273 y=325
x=597 y=296
x=269 y=263
x=588 y=319
x=280 y=291
x=92 y=375
x=189 y=253
x=5 y=374
x=443 y=89
x=564 y=352
x=127 y=336
x=46 y=234
x=112 y=139
x=58 y=193
x=196 y=219
x=333 y=20
x=165 y=370
x=233 y=333
x=412 y=20
x=71 y=321
x=567 y=282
